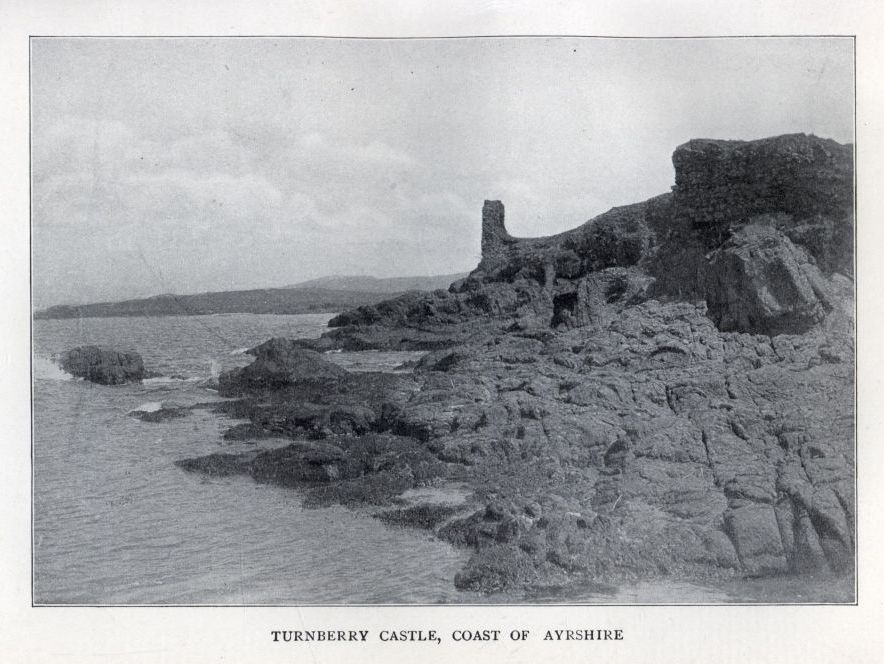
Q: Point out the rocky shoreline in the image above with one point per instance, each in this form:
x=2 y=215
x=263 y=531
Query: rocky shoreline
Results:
x=665 y=391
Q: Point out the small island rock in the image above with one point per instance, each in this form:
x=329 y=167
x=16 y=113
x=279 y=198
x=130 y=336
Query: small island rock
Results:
x=102 y=365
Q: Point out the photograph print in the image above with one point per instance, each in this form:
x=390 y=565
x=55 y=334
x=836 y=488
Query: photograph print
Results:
x=491 y=320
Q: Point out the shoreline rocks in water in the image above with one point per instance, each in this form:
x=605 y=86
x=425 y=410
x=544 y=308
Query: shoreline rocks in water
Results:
x=159 y=412
x=665 y=391
x=103 y=366
x=278 y=363
x=369 y=470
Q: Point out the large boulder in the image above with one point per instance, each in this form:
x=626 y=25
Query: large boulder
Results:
x=278 y=362
x=102 y=365
x=760 y=282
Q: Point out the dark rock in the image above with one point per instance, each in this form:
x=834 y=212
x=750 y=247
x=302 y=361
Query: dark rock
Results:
x=302 y=462
x=216 y=465
x=496 y=570
x=440 y=361
x=755 y=532
x=372 y=469
x=279 y=362
x=161 y=414
x=246 y=431
x=426 y=515
x=321 y=420
x=104 y=366
x=718 y=183
x=760 y=282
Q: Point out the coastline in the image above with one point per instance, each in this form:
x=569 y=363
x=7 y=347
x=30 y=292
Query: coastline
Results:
x=662 y=393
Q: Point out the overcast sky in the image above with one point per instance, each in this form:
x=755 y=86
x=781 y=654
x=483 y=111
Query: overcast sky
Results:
x=187 y=165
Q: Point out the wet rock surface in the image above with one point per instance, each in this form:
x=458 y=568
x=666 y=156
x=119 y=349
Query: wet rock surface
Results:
x=632 y=399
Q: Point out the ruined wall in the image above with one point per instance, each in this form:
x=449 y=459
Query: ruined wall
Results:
x=756 y=229
x=720 y=183
x=617 y=238
x=494 y=234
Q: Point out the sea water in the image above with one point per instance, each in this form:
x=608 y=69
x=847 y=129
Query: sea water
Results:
x=116 y=522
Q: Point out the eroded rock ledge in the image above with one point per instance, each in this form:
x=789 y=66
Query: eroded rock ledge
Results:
x=665 y=390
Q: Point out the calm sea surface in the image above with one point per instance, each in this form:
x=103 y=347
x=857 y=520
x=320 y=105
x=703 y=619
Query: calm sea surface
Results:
x=116 y=522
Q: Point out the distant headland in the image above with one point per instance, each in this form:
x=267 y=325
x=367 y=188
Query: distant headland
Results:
x=326 y=294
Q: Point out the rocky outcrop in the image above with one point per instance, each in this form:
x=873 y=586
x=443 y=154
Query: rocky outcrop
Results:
x=278 y=363
x=718 y=183
x=370 y=470
x=759 y=280
x=693 y=244
x=802 y=184
x=619 y=238
x=652 y=445
x=103 y=366
x=664 y=390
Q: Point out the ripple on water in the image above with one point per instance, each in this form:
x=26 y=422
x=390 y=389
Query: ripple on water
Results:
x=116 y=522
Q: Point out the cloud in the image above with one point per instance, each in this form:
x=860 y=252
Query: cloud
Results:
x=305 y=204
x=175 y=197
x=298 y=157
x=321 y=148
x=266 y=203
x=214 y=195
x=74 y=144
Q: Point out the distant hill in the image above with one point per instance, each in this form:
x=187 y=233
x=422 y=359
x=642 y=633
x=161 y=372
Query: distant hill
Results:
x=387 y=285
x=259 y=301
x=329 y=294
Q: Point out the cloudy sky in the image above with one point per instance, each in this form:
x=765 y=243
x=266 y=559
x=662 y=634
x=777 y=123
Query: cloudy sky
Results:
x=188 y=165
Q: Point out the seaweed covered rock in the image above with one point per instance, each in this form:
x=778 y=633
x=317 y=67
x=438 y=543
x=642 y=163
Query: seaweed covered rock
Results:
x=372 y=469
